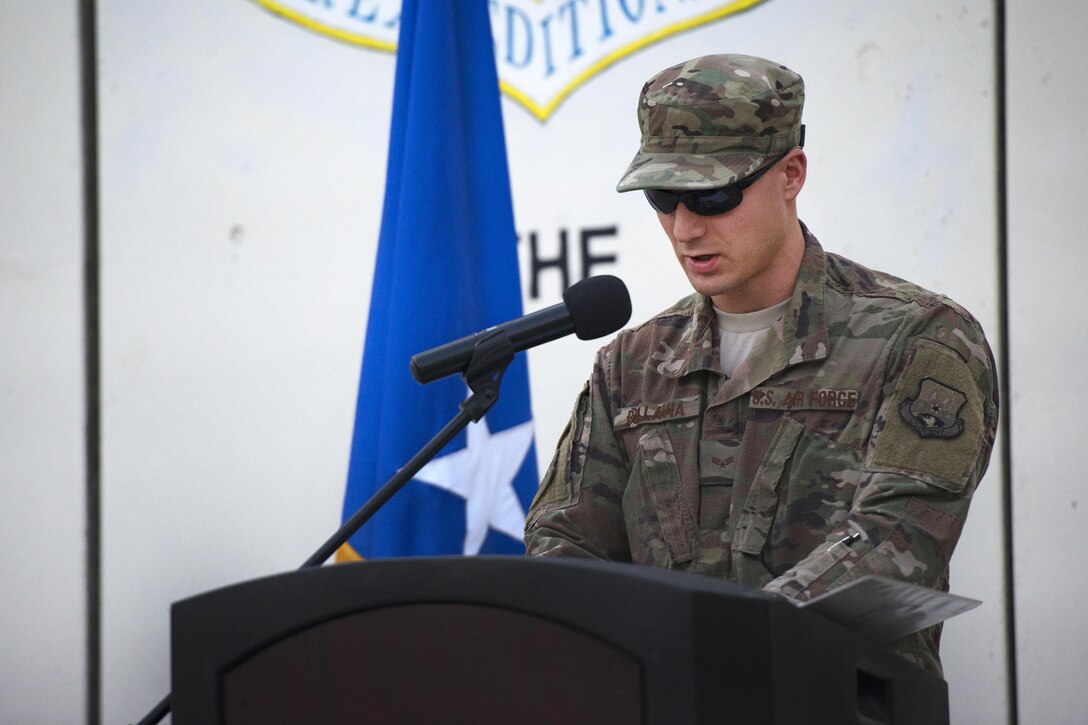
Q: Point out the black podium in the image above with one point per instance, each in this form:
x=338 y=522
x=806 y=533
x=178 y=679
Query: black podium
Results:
x=512 y=640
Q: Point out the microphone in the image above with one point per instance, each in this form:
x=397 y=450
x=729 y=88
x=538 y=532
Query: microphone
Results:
x=591 y=308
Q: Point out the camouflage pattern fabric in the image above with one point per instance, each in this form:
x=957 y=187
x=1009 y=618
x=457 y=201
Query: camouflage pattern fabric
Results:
x=714 y=120
x=850 y=444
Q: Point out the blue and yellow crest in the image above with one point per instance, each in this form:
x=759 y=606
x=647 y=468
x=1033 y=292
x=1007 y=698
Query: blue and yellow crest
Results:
x=544 y=49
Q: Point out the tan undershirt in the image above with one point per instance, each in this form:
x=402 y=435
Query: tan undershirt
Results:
x=741 y=333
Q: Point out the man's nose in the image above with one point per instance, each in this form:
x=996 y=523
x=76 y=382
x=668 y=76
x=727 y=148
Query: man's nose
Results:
x=687 y=225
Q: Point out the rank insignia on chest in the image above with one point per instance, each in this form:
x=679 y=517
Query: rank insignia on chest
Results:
x=934 y=411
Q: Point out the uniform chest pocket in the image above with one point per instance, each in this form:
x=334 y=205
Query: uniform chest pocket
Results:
x=803 y=489
x=761 y=503
x=717 y=472
x=660 y=527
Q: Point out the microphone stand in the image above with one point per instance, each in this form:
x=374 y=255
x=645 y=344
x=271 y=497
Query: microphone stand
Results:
x=490 y=358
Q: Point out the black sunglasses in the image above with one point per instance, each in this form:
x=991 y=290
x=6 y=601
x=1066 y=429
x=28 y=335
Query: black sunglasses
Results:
x=706 y=202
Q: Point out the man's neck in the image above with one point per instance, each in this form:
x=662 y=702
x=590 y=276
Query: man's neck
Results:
x=772 y=287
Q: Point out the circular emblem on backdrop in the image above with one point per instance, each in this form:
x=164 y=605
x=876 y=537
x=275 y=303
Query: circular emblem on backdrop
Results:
x=544 y=49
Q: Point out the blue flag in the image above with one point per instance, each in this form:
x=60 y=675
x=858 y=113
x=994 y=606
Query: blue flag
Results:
x=447 y=267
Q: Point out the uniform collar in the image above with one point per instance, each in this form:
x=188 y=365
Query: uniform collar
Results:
x=803 y=337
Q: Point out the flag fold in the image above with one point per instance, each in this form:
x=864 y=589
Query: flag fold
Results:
x=446 y=267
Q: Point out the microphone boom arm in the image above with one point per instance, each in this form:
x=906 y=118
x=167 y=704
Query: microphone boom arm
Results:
x=490 y=358
x=491 y=355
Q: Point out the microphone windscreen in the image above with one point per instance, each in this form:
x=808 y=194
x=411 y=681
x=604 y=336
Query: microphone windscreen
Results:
x=598 y=306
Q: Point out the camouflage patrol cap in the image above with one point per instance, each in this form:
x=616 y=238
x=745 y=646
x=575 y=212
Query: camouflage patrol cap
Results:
x=714 y=120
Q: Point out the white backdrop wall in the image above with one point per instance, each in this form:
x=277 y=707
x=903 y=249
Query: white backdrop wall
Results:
x=42 y=476
x=1046 y=161
x=242 y=162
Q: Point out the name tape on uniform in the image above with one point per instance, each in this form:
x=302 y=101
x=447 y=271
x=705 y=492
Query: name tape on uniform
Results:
x=656 y=412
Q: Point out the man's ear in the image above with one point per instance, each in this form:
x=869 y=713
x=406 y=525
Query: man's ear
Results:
x=796 y=167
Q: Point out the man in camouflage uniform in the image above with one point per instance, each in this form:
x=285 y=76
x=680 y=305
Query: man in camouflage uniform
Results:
x=799 y=422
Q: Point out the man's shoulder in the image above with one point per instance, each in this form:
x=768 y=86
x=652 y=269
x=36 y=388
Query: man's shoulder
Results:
x=888 y=302
x=884 y=290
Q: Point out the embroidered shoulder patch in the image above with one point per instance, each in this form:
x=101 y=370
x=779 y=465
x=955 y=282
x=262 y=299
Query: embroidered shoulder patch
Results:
x=933 y=412
x=931 y=426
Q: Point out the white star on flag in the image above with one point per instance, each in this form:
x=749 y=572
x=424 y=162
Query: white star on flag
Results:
x=483 y=474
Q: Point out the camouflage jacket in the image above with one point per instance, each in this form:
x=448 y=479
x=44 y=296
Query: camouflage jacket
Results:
x=851 y=444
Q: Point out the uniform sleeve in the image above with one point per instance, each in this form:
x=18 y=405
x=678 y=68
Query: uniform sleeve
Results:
x=577 y=510
x=929 y=447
